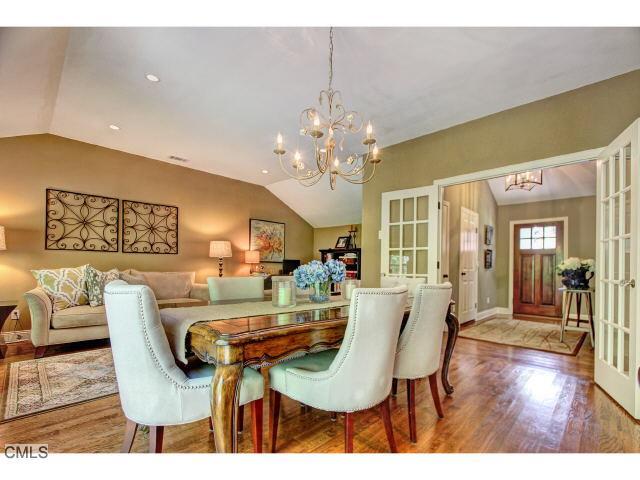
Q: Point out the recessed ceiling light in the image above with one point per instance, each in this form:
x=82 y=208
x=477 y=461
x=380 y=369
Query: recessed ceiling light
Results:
x=265 y=171
x=152 y=78
x=114 y=127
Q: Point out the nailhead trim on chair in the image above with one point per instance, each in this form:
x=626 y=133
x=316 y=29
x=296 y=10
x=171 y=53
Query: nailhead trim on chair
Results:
x=150 y=348
x=364 y=291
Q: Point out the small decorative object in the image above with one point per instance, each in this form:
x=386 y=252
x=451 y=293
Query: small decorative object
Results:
x=78 y=221
x=337 y=125
x=349 y=285
x=220 y=249
x=268 y=238
x=3 y=243
x=343 y=242
x=252 y=257
x=318 y=277
x=523 y=181
x=283 y=292
x=353 y=231
x=488 y=259
x=488 y=235
x=149 y=228
x=576 y=272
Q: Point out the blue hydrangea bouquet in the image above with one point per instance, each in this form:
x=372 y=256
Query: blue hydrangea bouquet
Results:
x=318 y=277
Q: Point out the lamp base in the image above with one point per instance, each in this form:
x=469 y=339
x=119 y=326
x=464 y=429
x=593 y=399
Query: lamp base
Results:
x=220 y=266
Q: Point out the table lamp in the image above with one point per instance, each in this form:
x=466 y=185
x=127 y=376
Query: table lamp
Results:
x=220 y=249
x=252 y=257
x=3 y=243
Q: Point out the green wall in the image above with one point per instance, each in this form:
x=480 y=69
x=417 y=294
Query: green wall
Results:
x=581 y=119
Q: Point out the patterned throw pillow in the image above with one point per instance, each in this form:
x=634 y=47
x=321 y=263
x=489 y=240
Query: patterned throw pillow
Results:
x=96 y=281
x=64 y=286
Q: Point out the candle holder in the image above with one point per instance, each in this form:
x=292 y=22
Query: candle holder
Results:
x=283 y=293
x=348 y=286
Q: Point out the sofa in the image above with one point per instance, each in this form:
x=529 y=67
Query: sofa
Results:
x=75 y=324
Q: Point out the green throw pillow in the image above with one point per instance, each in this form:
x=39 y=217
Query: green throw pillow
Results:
x=96 y=281
x=64 y=286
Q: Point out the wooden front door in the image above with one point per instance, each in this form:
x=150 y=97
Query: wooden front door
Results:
x=538 y=248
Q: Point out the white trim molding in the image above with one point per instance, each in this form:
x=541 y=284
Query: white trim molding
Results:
x=488 y=313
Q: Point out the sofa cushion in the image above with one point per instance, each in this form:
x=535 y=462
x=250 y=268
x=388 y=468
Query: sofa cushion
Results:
x=82 y=316
x=167 y=285
x=64 y=286
x=96 y=280
x=133 y=279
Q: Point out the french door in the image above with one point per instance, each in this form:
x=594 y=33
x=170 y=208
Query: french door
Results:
x=617 y=264
x=409 y=234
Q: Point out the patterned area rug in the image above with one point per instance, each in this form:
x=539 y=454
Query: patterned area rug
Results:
x=43 y=384
x=526 y=334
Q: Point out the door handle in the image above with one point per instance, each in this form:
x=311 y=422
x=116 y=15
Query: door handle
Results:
x=463 y=273
x=628 y=283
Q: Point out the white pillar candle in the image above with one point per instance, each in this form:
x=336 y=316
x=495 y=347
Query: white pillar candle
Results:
x=284 y=294
x=348 y=290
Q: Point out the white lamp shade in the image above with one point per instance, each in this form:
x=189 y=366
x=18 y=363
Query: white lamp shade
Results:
x=3 y=244
x=252 y=256
x=219 y=249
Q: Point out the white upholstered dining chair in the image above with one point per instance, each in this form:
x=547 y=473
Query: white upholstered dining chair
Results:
x=153 y=390
x=235 y=288
x=355 y=377
x=418 y=353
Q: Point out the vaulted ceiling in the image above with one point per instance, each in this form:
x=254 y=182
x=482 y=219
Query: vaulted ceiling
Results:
x=224 y=93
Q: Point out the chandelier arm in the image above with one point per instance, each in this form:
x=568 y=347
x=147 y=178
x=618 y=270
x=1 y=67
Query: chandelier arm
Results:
x=295 y=176
x=363 y=180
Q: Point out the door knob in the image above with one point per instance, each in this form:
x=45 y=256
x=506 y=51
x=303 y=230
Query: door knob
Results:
x=629 y=283
x=463 y=273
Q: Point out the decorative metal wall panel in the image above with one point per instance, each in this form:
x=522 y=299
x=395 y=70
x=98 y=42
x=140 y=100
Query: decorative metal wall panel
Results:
x=79 y=221
x=149 y=228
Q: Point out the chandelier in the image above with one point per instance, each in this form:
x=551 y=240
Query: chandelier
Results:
x=523 y=181
x=327 y=127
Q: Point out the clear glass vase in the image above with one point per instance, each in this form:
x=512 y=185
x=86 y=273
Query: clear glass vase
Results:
x=348 y=286
x=320 y=292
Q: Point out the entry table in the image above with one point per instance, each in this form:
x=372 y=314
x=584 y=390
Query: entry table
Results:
x=568 y=295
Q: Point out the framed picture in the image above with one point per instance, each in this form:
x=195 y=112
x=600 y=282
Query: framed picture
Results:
x=149 y=228
x=343 y=242
x=488 y=235
x=268 y=238
x=488 y=259
x=81 y=222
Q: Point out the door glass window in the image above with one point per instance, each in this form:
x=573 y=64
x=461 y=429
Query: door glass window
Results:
x=538 y=237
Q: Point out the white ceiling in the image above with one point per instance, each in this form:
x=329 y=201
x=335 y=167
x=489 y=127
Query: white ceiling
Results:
x=225 y=92
x=569 y=181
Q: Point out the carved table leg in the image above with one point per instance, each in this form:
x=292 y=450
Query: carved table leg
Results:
x=453 y=327
x=225 y=395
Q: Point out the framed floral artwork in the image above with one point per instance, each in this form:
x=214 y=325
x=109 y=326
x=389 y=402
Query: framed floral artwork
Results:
x=268 y=238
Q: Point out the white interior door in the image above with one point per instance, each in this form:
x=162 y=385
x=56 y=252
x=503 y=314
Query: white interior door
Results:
x=409 y=234
x=468 y=278
x=444 y=242
x=617 y=298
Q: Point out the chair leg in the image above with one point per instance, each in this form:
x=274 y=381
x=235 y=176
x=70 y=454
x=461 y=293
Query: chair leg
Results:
x=388 y=427
x=334 y=416
x=40 y=351
x=155 y=439
x=240 y=418
x=348 y=432
x=411 y=408
x=394 y=387
x=256 y=425
x=210 y=424
x=433 y=383
x=274 y=416
x=129 y=434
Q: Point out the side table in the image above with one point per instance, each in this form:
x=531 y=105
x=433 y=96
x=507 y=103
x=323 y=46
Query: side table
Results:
x=568 y=295
x=6 y=307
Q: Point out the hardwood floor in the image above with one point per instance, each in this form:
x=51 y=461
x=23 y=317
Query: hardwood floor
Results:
x=506 y=399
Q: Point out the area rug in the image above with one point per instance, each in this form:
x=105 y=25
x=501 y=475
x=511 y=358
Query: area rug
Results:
x=526 y=334
x=48 y=383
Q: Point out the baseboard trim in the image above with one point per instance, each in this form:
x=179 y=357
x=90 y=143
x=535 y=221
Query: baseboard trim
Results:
x=491 y=312
x=504 y=311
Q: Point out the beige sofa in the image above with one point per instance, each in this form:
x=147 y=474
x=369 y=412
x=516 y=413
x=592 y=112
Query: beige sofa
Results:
x=75 y=324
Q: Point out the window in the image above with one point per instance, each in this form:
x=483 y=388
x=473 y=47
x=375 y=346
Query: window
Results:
x=538 y=237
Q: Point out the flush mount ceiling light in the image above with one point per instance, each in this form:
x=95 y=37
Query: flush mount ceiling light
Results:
x=114 y=127
x=152 y=78
x=334 y=124
x=523 y=181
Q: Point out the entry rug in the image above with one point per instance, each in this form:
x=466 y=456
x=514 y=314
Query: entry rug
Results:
x=48 y=383
x=526 y=334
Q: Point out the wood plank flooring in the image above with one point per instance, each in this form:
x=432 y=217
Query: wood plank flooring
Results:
x=506 y=399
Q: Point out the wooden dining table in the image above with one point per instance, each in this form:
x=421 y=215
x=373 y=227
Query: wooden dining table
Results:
x=264 y=340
